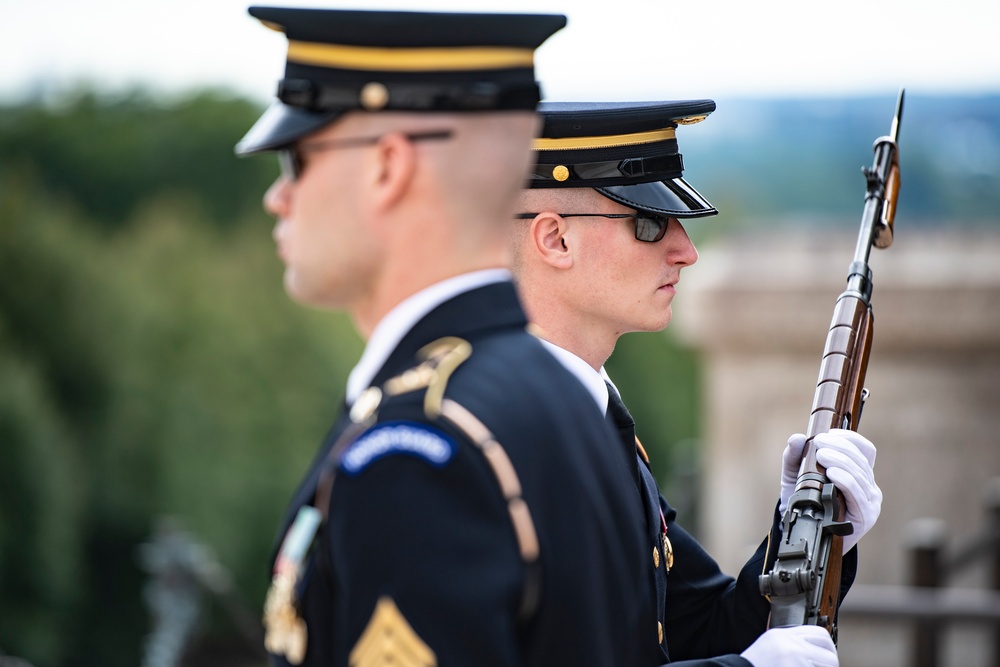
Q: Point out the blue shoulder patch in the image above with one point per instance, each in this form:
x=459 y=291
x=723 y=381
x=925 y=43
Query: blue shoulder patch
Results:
x=398 y=437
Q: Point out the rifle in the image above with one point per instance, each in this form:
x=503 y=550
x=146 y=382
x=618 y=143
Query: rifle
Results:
x=804 y=583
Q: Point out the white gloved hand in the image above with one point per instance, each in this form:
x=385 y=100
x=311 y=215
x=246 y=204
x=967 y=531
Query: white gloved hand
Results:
x=799 y=646
x=849 y=459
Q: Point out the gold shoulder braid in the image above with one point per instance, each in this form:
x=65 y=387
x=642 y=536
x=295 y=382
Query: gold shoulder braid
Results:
x=510 y=486
x=447 y=355
x=285 y=630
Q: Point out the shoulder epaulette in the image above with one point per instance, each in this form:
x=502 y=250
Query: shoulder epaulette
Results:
x=438 y=361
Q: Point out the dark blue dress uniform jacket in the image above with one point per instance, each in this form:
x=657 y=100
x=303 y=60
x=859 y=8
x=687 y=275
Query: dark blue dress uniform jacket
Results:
x=438 y=539
x=708 y=617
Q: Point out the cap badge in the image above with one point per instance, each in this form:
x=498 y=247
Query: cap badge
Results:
x=374 y=96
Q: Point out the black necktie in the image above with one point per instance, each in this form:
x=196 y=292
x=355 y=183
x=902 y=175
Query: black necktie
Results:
x=621 y=420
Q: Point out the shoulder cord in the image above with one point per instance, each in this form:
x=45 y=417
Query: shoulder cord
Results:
x=510 y=487
x=443 y=357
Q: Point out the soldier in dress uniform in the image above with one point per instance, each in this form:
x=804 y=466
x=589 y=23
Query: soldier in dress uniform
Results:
x=462 y=510
x=598 y=248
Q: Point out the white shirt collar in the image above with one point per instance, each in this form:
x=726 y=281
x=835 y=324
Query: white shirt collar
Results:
x=398 y=322
x=593 y=381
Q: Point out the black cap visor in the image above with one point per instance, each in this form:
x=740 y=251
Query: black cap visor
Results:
x=674 y=197
x=282 y=125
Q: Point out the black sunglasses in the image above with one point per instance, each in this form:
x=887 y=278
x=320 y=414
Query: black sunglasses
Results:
x=649 y=228
x=292 y=164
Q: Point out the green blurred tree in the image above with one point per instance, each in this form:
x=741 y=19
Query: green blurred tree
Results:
x=160 y=370
x=106 y=153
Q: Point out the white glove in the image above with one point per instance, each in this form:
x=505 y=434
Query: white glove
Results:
x=799 y=646
x=849 y=459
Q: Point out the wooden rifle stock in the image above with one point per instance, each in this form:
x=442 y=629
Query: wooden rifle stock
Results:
x=804 y=584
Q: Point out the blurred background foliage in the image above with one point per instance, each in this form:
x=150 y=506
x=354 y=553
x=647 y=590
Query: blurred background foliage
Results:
x=151 y=365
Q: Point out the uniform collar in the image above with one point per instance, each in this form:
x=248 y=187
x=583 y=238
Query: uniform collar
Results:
x=392 y=328
x=595 y=382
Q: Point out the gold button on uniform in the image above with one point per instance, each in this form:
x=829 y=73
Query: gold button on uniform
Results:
x=656 y=557
x=659 y=631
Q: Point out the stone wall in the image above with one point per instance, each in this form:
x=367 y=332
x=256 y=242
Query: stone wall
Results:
x=758 y=308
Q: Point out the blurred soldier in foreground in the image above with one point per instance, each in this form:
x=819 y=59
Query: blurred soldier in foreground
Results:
x=598 y=248
x=464 y=509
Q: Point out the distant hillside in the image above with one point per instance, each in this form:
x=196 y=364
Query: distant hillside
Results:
x=800 y=159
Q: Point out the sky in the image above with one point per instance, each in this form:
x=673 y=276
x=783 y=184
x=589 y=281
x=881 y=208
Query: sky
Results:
x=624 y=50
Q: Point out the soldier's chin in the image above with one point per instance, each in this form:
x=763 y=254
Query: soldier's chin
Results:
x=296 y=290
x=313 y=294
x=660 y=322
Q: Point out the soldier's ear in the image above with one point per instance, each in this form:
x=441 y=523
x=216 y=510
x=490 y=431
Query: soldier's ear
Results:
x=548 y=233
x=393 y=170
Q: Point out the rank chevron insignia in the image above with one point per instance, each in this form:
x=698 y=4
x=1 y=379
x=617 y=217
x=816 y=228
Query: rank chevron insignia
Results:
x=389 y=641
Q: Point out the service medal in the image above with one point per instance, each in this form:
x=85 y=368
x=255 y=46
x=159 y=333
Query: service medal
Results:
x=284 y=630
